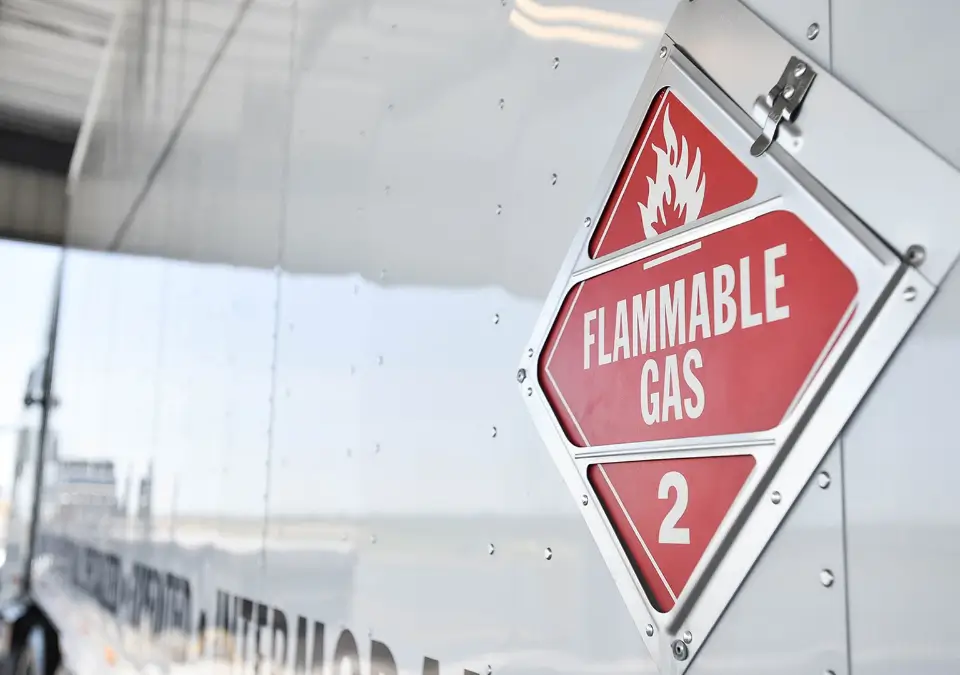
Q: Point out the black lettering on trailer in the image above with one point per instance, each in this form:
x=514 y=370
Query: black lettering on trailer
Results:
x=163 y=601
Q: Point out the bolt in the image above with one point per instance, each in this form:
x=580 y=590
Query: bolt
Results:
x=916 y=254
x=680 y=650
x=521 y=375
x=584 y=499
x=775 y=497
x=813 y=30
x=788 y=91
x=496 y=318
x=687 y=637
x=910 y=294
x=823 y=480
x=826 y=578
x=548 y=553
x=800 y=69
x=588 y=221
x=663 y=52
x=649 y=630
x=556 y=62
x=491 y=549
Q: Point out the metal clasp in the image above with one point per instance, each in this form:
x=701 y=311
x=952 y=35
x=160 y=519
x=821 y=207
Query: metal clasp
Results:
x=783 y=101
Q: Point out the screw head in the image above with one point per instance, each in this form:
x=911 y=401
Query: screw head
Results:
x=556 y=62
x=496 y=318
x=775 y=497
x=584 y=499
x=373 y=539
x=499 y=209
x=493 y=432
x=588 y=221
x=826 y=578
x=530 y=353
x=687 y=637
x=489 y=670
x=800 y=69
x=649 y=630
x=502 y=102
x=909 y=293
x=553 y=179
x=823 y=480
x=529 y=391
x=491 y=549
x=521 y=375
x=813 y=30
x=548 y=553
x=680 y=650
x=916 y=254
x=380 y=360
x=789 y=91
x=663 y=52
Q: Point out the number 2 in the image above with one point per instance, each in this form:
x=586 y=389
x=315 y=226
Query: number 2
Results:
x=669 y=532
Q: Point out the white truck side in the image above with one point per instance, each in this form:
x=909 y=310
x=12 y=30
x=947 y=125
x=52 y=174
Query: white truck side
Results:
x=295 y=415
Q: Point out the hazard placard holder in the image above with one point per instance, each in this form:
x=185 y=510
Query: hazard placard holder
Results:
x=733 y=295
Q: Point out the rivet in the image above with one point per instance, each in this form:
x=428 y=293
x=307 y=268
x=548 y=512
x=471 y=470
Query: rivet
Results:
x=489 y=669
x=530 y=353
x=588 y=221
x=584 y=499
x=390 y=107
x=826 y=578
x=493 y=432
x=491 y=549
x=548 y=553
x=800 y=69
x=789 y=91
x=521 y=375
x=813 y=30
x=823 y=480
x=529 y=391
x=663 y=52
x=775 y=497
x=496 y=318
x=649 y=630
x=680 y=650
x=553 y=179
x=502 y=102
x=386 y=189
x=909 y=293
x=556 y=62
x=687 y=637
x=916 y=254
x=379 y=360
x=499 y=209
x=373 y=539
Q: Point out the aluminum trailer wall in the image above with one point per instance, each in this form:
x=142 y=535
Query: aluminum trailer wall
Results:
x=313 y=238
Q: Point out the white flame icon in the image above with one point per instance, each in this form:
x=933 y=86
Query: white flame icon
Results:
x=676 y=194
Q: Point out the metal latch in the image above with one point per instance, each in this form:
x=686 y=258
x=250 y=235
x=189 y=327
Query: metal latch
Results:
x=783 y=100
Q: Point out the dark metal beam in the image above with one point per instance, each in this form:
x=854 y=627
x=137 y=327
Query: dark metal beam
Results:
x=42 y=144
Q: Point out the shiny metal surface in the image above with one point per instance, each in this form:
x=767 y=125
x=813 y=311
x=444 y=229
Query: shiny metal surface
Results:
x=292 y=363
x=901 y=445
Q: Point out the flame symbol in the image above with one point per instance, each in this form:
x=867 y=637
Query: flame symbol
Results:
x=676 y=195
